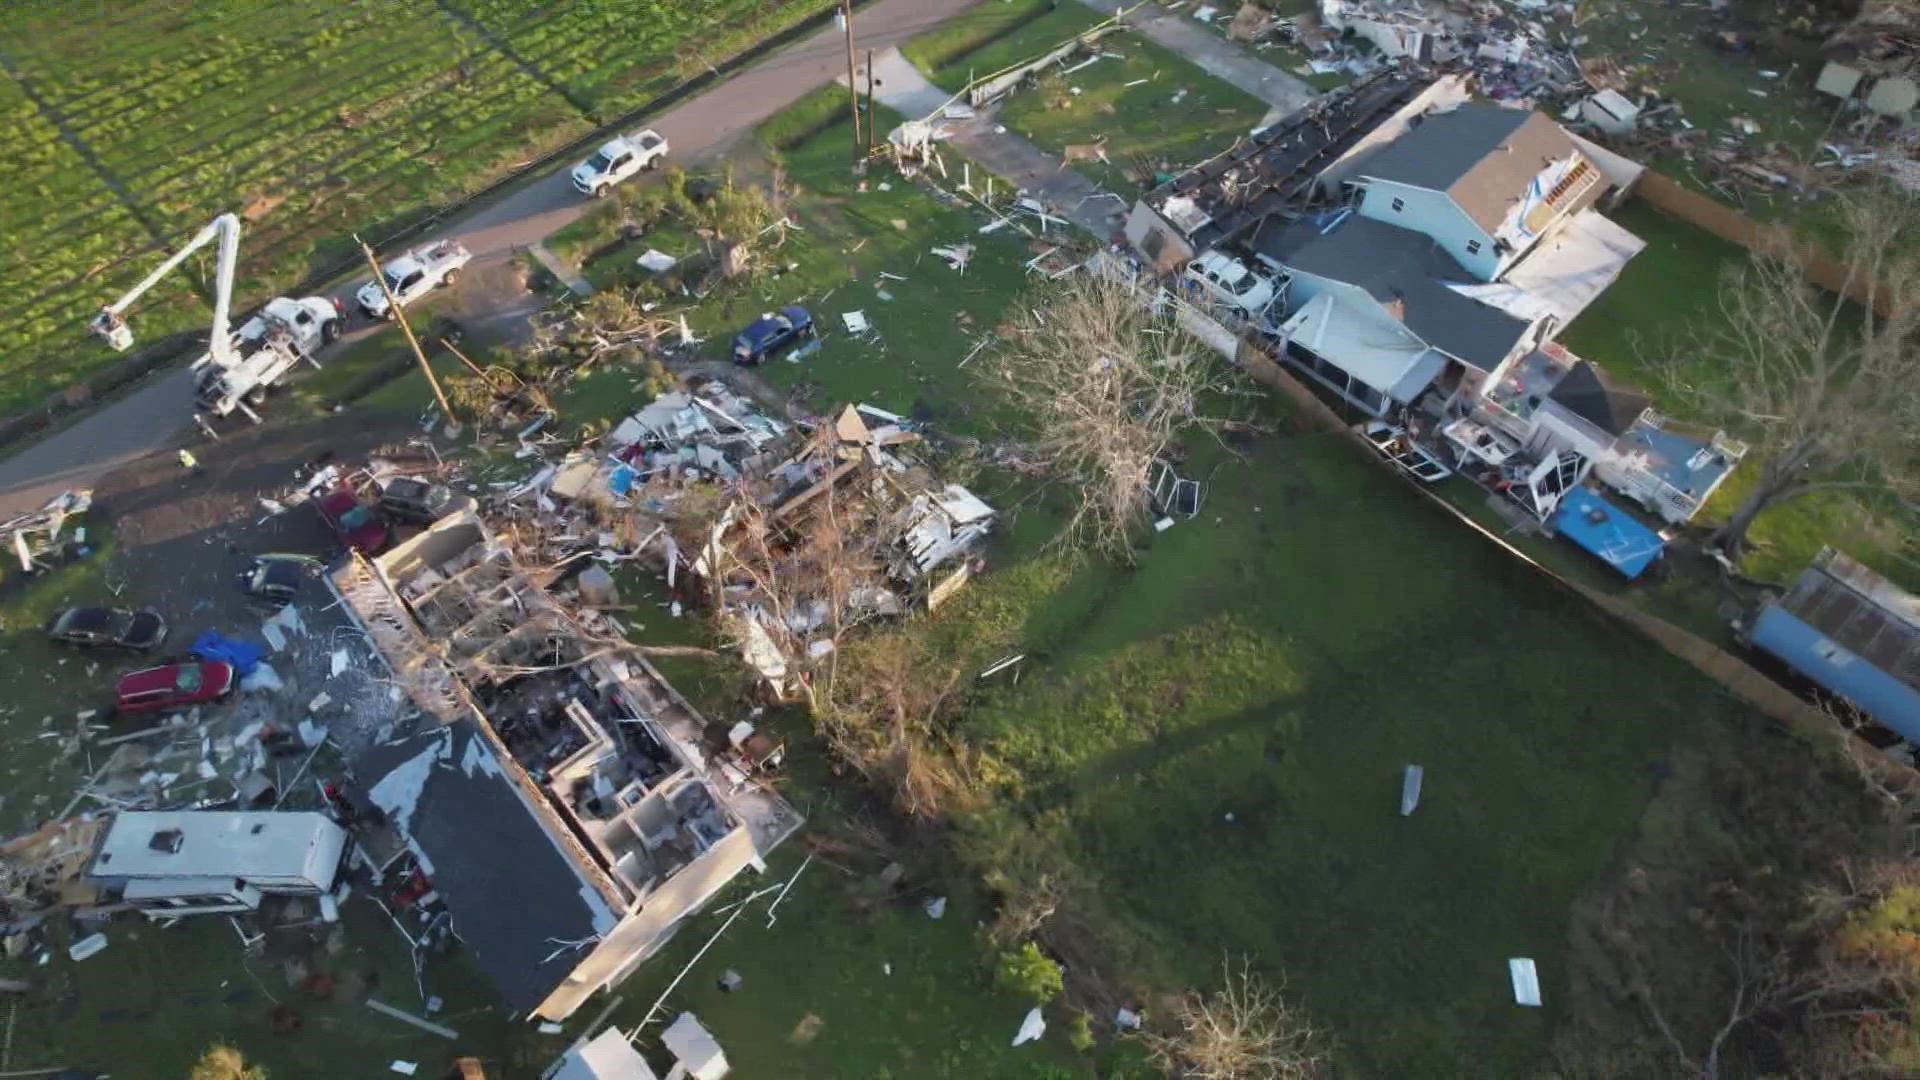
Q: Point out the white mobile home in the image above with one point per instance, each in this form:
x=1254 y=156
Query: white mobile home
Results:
x=192 y=862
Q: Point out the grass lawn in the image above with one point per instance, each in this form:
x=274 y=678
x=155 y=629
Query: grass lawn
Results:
x=1150 y=105
x=1279 y=660
x=995 y=35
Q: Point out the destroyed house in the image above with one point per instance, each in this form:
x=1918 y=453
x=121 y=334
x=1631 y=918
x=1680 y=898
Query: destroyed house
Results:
x=559 y=795
x=189 y=862
x=1852 y=632
x=1277 y=169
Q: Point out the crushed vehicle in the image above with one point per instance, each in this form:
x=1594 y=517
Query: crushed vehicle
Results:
x=413 y=275
x=352 y=521
x=771 y=334
x=275 y=578
x=619 y=159
x=415 y=502
x=118 y=627
x=1230 y=285
x=174 y=686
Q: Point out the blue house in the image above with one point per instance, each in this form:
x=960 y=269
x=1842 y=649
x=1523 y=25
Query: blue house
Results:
x=1852 y=632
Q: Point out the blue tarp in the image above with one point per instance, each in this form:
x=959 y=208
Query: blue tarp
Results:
x=1607 y=531
x=244 y=656
x=621 y=482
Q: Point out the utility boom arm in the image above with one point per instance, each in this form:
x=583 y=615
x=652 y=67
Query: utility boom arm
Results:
x=111 y=323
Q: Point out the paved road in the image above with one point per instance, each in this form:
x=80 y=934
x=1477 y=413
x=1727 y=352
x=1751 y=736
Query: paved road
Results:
x=158 y=414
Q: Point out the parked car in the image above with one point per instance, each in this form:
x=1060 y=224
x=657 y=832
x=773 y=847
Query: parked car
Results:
x=108 y=626
x=352 y=521
x=769 y=335
x=619 y=159
x=174 y=686
x=275 y=578
x=414 y=275
x=1394 y=444
x=1228 y=284
x=415 y=501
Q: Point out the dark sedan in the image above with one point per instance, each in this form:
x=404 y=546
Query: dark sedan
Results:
x=768 y=335
x=108 y=626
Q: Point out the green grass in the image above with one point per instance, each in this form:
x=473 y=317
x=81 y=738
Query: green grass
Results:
x=1279 y=659
x=938 y=50
x=995 y=40
x=1140 y=122
x=320 y=120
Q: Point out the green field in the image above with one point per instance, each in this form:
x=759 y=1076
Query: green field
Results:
x=316 y=120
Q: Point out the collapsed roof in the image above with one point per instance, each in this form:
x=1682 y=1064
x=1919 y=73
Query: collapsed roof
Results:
x=1221 y=196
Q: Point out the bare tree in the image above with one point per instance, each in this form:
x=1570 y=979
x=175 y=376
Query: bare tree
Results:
x=1107 y=384
x=1246 y=1030
x=1828 y=391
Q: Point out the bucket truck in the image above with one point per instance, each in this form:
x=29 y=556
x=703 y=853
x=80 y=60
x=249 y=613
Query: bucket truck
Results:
x=238 y=368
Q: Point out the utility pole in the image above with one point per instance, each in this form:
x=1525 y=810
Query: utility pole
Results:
x=399 y=316
x=853 y=86
x=870 y=113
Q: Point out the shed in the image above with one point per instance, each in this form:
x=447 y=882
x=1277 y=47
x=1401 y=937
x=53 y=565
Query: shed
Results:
x=694 y=1049
x=1854 y=633
x=606 y=1056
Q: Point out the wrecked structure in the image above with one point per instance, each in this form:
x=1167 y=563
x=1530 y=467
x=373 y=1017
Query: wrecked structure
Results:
x=561 y=797
x=193 y=862
x=847 y=529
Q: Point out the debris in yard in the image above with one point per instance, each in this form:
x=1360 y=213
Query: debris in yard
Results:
x=729 y=981
x=957 y=255
x=1078 y=152
x=36 y=535
x=1126 y=1019
x=935 y=907
x=1410 y=789
x=1001 y=665
x=404 y=1068
x=91 y=945
x=855 y=322
x=1031 y=1028
x=1526 y=981
x=658 y=262
x=403 y=1016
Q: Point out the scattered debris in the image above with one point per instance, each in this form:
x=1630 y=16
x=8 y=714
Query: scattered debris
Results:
x=1410 y=782
x=1031 y=1028
x=1526 y=981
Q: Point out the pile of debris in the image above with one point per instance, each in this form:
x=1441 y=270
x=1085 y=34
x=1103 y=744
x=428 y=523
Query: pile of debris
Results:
x=37 y=537
x=849 y=529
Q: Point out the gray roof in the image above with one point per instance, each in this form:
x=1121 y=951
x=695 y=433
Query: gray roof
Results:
x=1590 y=395
x=511 y=890
x=1394 y=264
x=1484 y=156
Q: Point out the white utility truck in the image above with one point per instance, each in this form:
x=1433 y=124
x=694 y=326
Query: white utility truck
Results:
x=238 y=368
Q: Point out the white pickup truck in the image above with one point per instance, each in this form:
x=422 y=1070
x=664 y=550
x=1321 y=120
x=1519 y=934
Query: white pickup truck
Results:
x=619 y=159
x=413 y=275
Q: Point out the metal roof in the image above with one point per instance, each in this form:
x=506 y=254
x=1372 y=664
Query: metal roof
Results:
x=219 y=843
